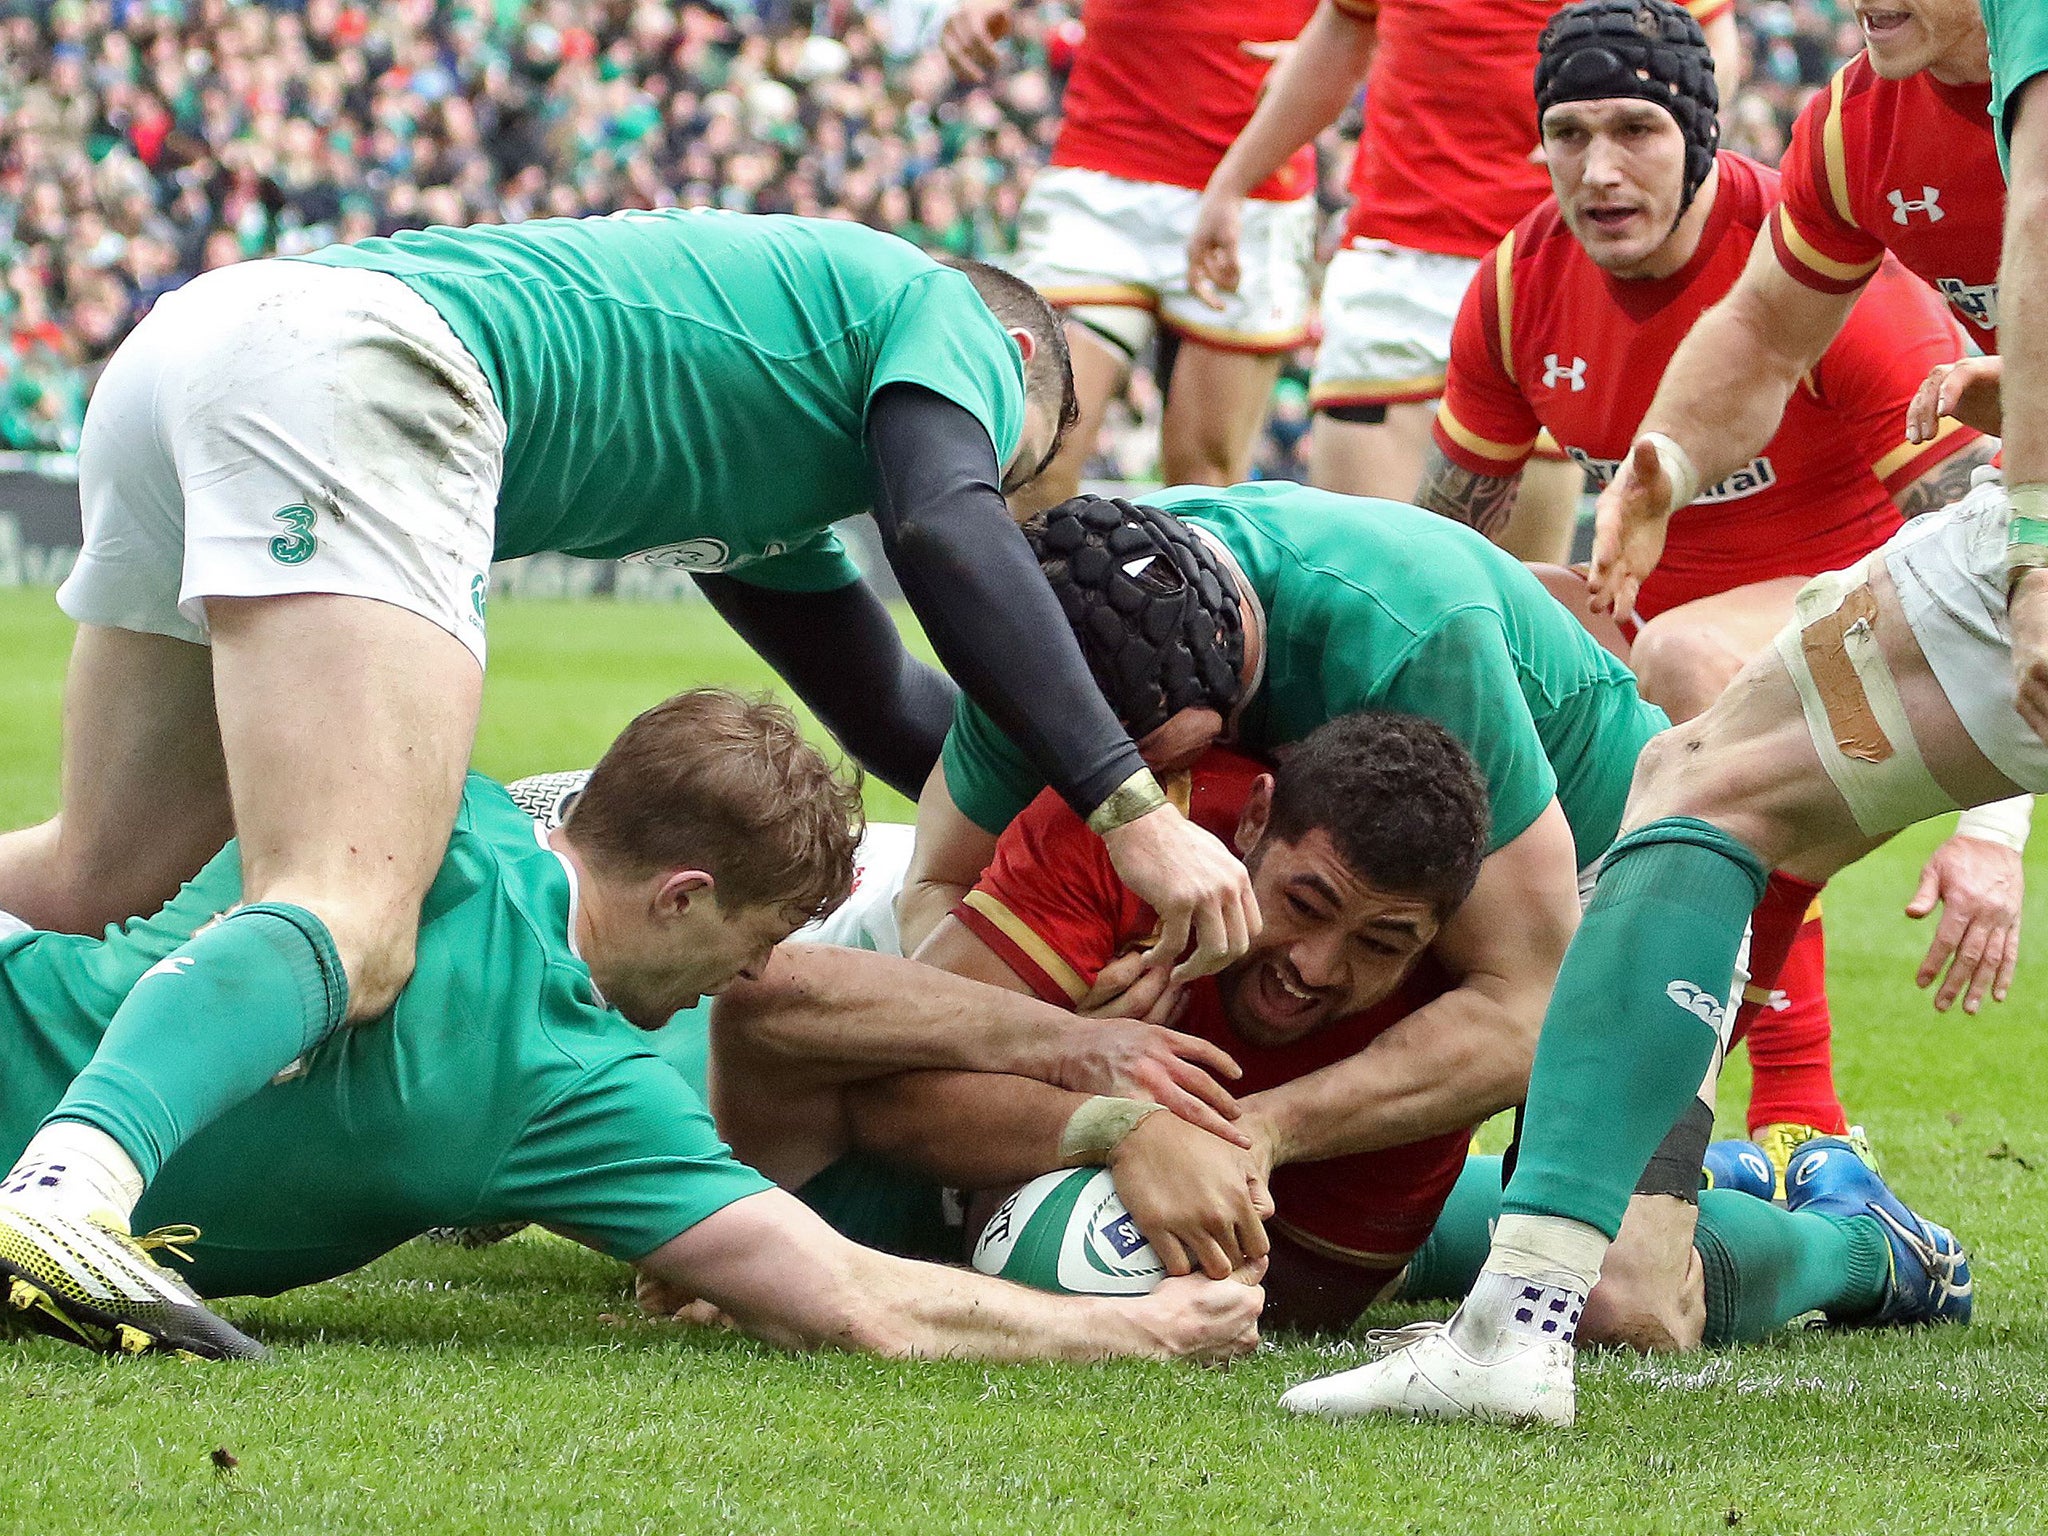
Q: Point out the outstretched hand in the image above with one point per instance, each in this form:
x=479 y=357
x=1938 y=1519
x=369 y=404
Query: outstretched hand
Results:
x=1980 y=887
x=1629 y=524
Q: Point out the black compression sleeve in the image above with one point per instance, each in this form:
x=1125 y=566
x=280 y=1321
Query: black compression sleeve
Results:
x=840 y=651
x=977 y=588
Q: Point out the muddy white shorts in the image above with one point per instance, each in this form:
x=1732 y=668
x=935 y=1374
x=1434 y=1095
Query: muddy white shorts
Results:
x=282 y=427
x=1387 y=316
x=1949 y=568
x=1117 y=250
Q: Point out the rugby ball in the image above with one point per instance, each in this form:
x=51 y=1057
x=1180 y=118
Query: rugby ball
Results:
x=1068 y=1232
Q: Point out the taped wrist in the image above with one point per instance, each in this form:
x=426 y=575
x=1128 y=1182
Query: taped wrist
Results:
x=1139 y=795
x=1099 y=1127
x=1678 y=465
x=1674 y=1168
x=2005 y=822
x=2026 y=536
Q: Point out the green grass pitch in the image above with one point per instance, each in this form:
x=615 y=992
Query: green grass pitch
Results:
x=514 y=1390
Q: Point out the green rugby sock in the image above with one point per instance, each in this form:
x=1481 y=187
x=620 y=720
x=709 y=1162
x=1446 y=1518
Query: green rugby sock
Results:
x=1448 y=1262
x=207 y=1026
x=1629 y=1032
x=1765 y=1266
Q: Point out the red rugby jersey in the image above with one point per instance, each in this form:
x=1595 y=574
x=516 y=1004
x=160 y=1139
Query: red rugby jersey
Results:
x=1546 y=340
x=1051 y=905
x=1450 y=122
x=1161 y=87
x=1906 y=166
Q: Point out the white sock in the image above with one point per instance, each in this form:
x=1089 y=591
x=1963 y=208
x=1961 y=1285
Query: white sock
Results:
x=76 y=1169
x=1532 y=1287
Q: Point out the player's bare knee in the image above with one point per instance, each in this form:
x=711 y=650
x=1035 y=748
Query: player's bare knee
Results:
x=1682 y=665
x=1677 y=776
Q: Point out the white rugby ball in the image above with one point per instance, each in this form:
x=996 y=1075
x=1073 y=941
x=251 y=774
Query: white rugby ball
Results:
x=1068 y=1232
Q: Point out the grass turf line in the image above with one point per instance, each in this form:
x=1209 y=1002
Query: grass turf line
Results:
x=514 y=1389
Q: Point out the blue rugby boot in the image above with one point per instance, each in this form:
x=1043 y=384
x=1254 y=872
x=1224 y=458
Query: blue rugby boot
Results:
x=1741 y=1166
x=1930 y=1271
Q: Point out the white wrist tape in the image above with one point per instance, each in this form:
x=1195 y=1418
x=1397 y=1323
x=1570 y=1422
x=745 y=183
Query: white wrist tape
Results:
x=2005 y=822
x=1685 y=480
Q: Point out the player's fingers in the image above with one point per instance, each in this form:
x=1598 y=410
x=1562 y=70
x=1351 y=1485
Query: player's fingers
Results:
x=1171 y=1254
x=1212 y=949
x=1961 y=969
x=2007 y=964
x=1204 y=1116
x=1986 y=973
x=1210 y=1255
x=1927 y=893
x=1206 y=1054
x=1173 y=938
x=1925 y=407
x=1947 y=936
x=1197 y=1084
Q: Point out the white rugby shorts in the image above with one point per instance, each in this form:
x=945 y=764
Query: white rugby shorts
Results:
x=1119 y=249
x=281 y=427
x=1387 y=316
x=1949 y=570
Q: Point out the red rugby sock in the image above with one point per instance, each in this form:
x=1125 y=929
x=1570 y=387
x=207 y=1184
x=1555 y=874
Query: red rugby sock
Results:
x=1791 y=1047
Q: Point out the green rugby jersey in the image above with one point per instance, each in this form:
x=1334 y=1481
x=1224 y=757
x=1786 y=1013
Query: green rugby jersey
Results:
x=2018 y=30
x=691 y=388
x=498 y=1088
x=1379 y=605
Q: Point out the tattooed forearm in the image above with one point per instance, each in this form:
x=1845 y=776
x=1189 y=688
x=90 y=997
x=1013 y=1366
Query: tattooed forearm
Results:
x=1478 y=501
x=1946 y=482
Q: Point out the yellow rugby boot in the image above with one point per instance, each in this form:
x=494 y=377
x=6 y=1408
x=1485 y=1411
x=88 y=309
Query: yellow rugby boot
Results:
x=89 y=1283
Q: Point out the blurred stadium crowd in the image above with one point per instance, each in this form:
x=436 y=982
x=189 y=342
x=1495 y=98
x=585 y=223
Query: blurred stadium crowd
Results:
x=144 y=141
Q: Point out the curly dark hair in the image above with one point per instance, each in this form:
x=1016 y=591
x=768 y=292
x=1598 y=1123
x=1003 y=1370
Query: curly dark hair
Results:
x=1402 y=800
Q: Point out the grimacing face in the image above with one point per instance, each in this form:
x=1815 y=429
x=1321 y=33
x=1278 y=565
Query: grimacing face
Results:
x=1618 y=168
x=1331 y=944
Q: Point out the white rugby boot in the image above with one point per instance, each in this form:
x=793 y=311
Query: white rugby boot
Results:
x=1425 y=1375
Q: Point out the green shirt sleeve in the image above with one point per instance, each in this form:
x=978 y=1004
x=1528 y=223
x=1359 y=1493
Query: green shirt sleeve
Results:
x=1461 y=675
x=627 y=1159
x=941 y=336
x=989 y=779
x=2019 y=51
x=819 y=564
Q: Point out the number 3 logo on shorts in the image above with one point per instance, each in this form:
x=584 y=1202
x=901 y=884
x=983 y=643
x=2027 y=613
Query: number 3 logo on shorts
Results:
x=299 y=545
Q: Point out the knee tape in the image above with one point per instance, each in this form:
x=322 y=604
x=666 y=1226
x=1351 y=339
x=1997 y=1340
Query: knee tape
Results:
x=1853 y=711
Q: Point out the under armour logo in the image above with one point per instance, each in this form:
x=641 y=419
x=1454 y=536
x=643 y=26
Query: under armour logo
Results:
x=1928 y=202
x=1553 y=371
x=170 y=965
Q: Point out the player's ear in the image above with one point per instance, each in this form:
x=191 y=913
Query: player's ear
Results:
x=1026 y=342
x=677 y=889
x=1251 y=822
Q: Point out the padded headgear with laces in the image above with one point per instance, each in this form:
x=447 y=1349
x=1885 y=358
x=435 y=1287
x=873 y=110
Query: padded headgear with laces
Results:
x=1155 y=612
x=1651 y=49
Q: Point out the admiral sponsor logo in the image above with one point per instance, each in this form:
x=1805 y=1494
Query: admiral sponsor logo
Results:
x=1977 y=302
x=1758 y=474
